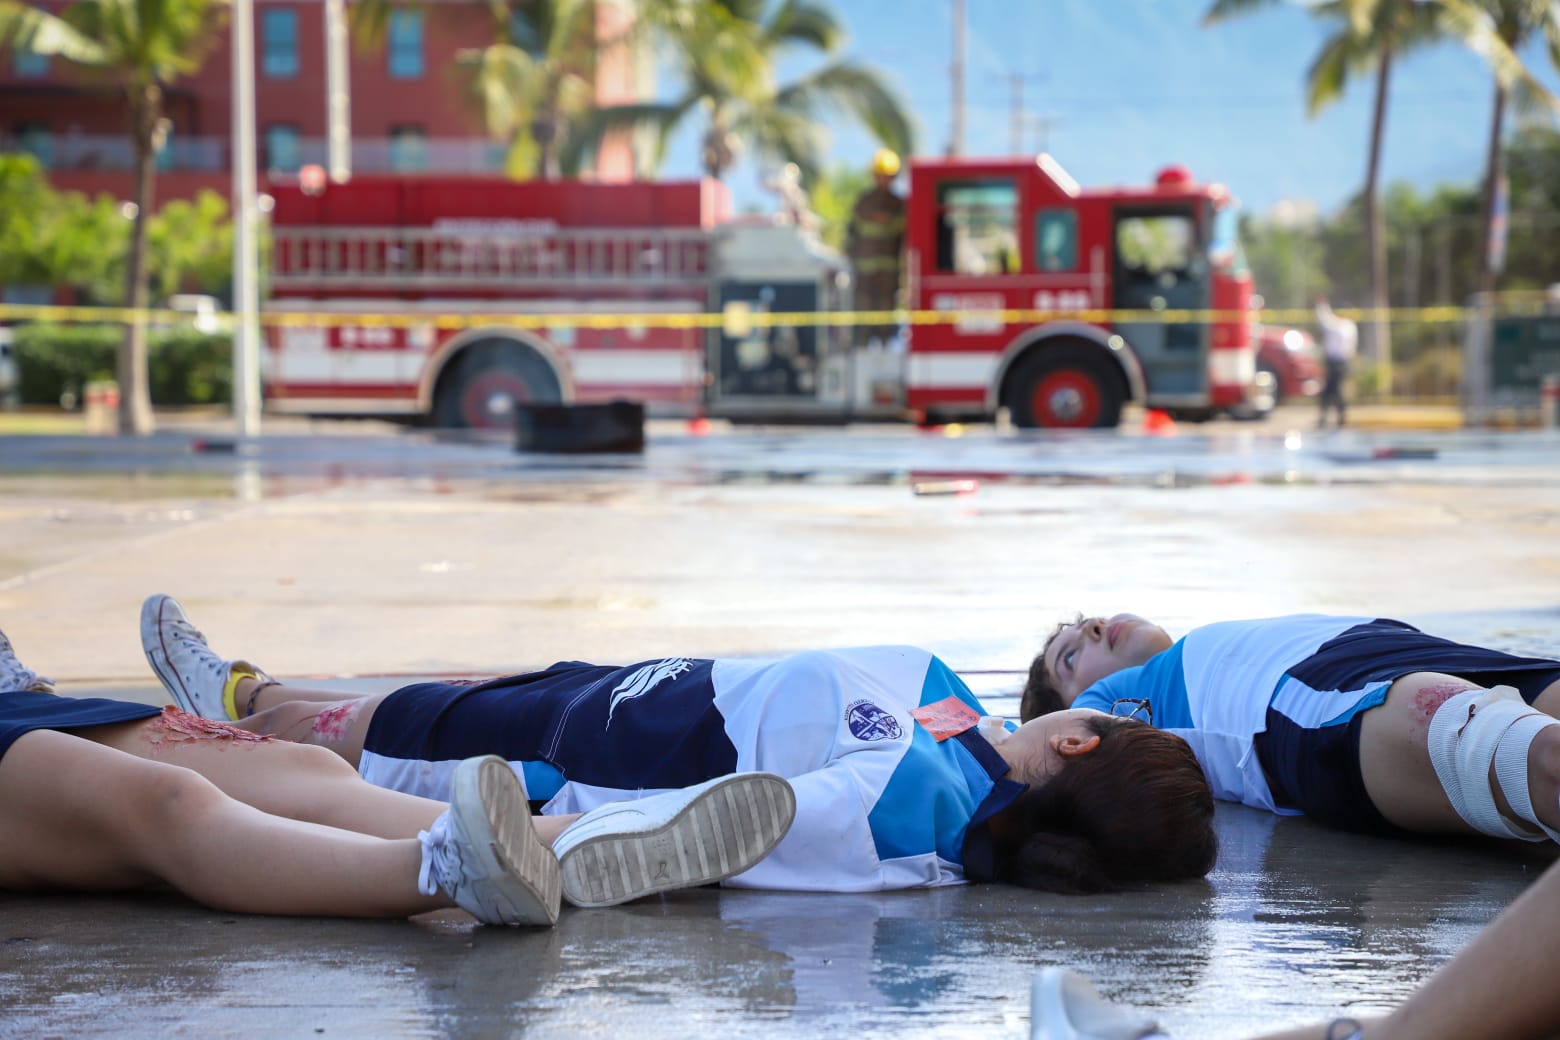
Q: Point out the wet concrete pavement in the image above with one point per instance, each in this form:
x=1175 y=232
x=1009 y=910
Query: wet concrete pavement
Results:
x=329 y=550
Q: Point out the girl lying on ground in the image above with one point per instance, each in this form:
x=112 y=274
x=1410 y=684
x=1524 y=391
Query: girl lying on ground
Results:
x=108 y=795
x=1360 y=723
x=898 y=781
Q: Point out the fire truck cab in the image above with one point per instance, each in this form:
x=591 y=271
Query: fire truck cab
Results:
x=986 y=237
x=461 y=296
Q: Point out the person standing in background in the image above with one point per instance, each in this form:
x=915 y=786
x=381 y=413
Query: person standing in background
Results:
x=1339 y=337
x=875 y=241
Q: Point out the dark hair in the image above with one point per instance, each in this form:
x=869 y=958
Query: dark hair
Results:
x=1041 y=697
x=1136 y=808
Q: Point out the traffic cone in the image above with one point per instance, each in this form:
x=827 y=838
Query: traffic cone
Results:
x=1157 y=423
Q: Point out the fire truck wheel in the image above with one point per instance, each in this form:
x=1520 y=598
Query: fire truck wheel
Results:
x=1066 y=385
x=480 y=390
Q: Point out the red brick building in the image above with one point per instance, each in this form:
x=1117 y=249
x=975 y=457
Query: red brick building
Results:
x=410 y=107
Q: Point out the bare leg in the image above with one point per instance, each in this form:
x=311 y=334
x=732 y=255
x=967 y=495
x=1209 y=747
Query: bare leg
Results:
x=289 y=780
x=338 y=725
x=1401 y=781
x=78 y=814
x=295 y=781
x=1548 y=701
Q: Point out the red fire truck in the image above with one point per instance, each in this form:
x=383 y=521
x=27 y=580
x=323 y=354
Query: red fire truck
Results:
x=452 y=298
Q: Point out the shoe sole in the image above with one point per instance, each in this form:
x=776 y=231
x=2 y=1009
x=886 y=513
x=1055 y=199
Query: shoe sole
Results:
x=157 y=654
x=729 y=828
x=522 y=870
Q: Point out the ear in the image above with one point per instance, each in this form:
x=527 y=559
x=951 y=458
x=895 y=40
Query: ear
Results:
x=1071 y=745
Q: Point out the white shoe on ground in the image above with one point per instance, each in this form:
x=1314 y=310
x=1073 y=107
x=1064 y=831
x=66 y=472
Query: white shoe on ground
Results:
x=16 y=677
x=674 y=840
x=198 y=680
x=483 y=852
x=1064 y=1005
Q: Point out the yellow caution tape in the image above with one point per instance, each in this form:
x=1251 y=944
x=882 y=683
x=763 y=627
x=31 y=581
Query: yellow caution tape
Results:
x=225 y=320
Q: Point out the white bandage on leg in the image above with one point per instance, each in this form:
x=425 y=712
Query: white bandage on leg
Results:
x=1475 y=730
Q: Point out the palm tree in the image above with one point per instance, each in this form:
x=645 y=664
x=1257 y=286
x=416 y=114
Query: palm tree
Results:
x=1370 y=35
x=141 y=45
x=725 y=53
x=536 y=80
x=1496 y=30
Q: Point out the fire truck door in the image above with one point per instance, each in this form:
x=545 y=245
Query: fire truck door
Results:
x=1160 y=266
x=752 y=359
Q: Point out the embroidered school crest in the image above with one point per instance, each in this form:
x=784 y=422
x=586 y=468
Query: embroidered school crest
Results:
x=644 y=679
x=869 y=722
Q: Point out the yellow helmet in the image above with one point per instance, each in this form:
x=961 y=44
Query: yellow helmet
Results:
x=885 y=163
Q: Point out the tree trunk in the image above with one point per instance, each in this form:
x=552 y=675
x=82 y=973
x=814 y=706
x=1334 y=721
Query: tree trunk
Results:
x=135 y=399
x=1375 y=231
x=1492 y=171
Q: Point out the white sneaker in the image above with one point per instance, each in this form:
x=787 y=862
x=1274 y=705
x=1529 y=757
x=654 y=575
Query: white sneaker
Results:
x=198 y=680
x=16 y=677
x=483 y=852
x=1064 y=1005
x=674 y=840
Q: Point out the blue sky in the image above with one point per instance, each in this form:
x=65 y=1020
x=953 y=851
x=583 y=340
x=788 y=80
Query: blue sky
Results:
x=1128 y=86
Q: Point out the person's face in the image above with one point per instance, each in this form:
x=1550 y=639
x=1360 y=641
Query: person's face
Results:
x=1086 y=652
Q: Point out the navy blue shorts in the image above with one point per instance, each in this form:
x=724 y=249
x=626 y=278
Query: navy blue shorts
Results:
x=21 y=713
x=1316 y=769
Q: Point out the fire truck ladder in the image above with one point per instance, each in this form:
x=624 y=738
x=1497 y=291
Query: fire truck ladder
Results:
x=428 y=258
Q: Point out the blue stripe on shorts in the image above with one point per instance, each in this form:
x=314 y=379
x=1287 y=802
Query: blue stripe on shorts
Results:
x=1310 y=751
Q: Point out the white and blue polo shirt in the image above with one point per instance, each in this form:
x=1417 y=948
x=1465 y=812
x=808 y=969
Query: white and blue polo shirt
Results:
x=882 y=802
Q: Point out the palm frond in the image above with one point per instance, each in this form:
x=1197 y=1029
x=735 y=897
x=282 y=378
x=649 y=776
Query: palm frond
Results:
x=661 y=120
x=806 y=23
x=1342 y=56
x=1223 y=10
x=27 y=28
x=859 y=90
x=777 y=136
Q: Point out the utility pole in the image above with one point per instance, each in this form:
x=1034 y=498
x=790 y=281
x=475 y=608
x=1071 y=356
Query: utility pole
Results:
x=246 y=293
x=1042 y=126
x=956 y=70
x=1019 y=121
x=338 y=94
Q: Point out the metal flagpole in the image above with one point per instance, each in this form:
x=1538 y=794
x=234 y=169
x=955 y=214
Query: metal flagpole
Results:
x=246 y=297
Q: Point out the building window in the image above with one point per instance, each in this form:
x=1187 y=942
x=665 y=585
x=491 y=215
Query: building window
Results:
x=28 y=65
x=281 y=146
x=35 y=140
x=279 y=43
x=408 y=148
x=406 y=44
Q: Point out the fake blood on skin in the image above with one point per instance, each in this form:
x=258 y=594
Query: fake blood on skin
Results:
x=180 y=727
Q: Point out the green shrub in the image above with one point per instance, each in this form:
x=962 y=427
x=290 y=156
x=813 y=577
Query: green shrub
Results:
x=55 y=362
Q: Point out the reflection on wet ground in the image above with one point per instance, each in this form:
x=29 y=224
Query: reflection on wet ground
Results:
x=837 y=456
x=1295 y=924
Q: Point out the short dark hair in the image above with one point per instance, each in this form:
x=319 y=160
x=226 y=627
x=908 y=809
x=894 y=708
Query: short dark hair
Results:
x=1136 y=808
x=1041 y=697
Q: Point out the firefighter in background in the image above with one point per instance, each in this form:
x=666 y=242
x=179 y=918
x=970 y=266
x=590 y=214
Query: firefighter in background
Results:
x=875 y=242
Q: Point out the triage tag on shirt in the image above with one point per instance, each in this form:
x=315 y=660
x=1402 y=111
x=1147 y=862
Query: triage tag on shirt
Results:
x=946 y=718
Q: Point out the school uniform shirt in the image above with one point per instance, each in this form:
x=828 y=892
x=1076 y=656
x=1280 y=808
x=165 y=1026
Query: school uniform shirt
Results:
x=881 y=801
x=1213 y=688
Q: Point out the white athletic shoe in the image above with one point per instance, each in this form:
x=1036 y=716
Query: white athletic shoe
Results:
x=198 y=680
x=674 y=840
x=1064 y=1005
x=483 y=852
x=16 y=677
